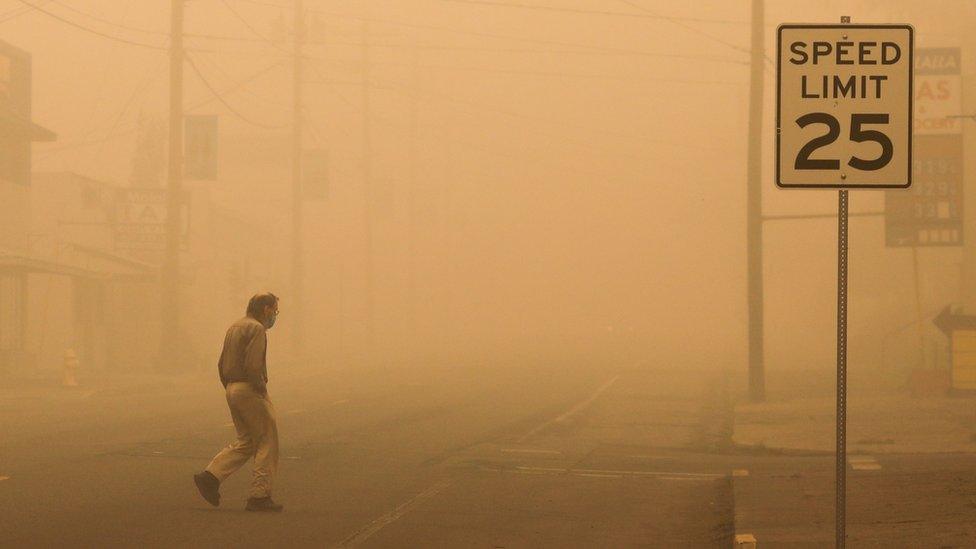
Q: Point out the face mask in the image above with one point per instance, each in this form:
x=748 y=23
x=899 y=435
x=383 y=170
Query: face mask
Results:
x=270 y=322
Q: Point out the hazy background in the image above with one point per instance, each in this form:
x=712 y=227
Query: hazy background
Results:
x=577 y=168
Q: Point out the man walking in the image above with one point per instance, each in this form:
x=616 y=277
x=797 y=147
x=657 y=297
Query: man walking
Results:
x=243 y=372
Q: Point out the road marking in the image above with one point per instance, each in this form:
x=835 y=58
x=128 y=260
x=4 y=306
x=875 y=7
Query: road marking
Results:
x=739 y=473
x=343 y=401
x=745 y=541
x=572 y=411
x=543 y=469
x=864 y=463
x=2 y=478
x=669 y=475
x=372 y=528
x=653 y=473
x=228 y=425
x=529 y=451
x=609 y=473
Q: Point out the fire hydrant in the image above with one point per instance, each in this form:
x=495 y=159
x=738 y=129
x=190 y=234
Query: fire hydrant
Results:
x=70 y=368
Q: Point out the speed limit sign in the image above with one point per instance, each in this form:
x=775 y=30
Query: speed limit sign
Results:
x=844 y=106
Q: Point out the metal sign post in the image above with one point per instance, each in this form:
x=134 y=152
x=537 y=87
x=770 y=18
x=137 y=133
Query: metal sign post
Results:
x=840 y=460
x=843 y=121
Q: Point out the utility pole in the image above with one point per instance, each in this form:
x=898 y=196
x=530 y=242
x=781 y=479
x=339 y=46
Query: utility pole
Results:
x=170 y=283
x=412 y=205
x=297 y=258
x=447 y=295
x=757 y=369
x=368 y=193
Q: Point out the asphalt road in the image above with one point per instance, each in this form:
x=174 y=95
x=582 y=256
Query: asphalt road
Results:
x=487 y=456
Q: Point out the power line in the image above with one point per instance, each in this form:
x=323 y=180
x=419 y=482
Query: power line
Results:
x=106 y=21
x=267 y=4
x=237 y=86
x=703 y=57
x=435 y=96
x=125 y=106
x=261 y=38
x=250 y=27
x=589 y=11
x=16 y=12
x=676 y=21
x=603 y=49
x=679 y=23
x=91 y=30
x=189 y=107
x=579 y=75
x=428 y=94
x=224 y=102
x=215 y=66
x=495 y=70
x=203 y=36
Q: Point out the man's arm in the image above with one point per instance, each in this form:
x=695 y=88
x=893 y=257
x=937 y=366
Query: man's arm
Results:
x=220 y=365
x=254 y=357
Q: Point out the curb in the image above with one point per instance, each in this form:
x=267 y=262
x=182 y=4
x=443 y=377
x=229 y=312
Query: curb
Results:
x=741 y=539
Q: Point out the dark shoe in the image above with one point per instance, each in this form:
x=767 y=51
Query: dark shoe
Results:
x=208 y=485
x=263 y=504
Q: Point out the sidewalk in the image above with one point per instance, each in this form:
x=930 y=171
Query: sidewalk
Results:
x=901 y=501
x=911 y=468
x=878 y=422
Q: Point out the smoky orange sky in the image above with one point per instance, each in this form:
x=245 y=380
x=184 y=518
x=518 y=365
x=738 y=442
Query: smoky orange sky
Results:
x=577 y=169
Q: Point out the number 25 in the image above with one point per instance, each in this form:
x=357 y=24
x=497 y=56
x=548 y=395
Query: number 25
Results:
x=858 y=135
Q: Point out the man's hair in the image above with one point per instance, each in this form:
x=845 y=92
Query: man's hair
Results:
x=255 y=307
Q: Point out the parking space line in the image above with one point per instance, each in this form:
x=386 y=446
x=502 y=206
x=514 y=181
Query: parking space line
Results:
x=372 y=528
x=864 y=463
x=664 y=475
x=529 y=451
x=653 y=473
x=543 y=469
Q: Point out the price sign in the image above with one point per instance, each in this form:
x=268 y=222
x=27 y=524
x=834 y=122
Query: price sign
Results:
x=844 y=106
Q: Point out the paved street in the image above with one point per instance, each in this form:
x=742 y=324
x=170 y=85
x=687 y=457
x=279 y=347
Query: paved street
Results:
x=501 y=457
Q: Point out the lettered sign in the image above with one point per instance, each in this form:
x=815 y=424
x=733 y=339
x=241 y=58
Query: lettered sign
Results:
x=844 y=106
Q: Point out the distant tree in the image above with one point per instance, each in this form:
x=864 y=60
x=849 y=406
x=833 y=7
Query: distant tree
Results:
x=149 y=156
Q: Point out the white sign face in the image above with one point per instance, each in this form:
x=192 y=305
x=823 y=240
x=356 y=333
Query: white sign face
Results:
x=844 y=106
x=140 y=219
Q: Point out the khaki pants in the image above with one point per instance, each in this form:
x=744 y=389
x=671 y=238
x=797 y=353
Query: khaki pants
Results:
x=257 y=437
